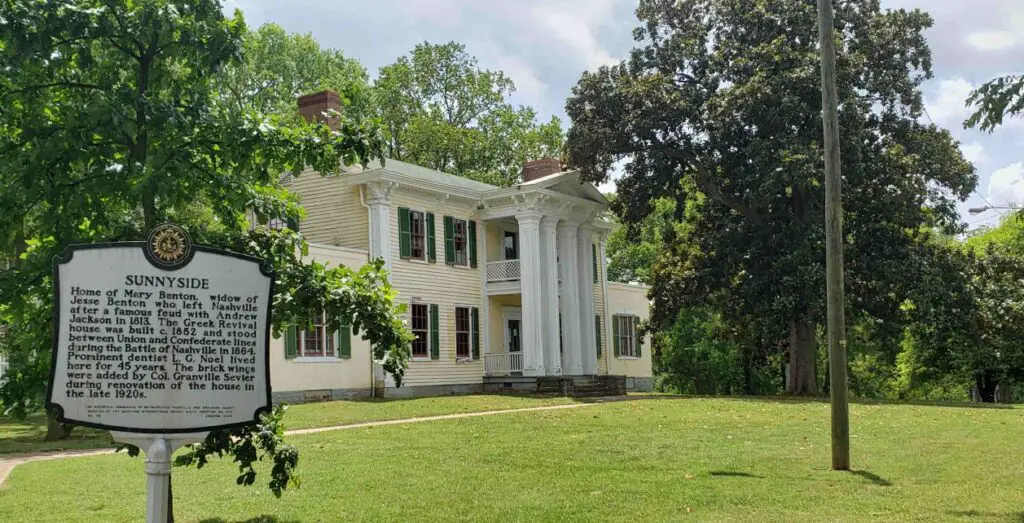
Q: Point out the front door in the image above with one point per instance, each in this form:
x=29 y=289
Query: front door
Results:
x=510 y=244
x=513 y=318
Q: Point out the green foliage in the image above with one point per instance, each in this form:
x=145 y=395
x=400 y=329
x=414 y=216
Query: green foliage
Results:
x=440 y=110
x=719 y=107
x=277 y=67
x=115 y=120
x=995 y=100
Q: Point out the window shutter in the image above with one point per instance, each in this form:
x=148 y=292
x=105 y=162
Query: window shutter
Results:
x=472 y=243
x=431 y=238
x=343 y=341
x=597 y=331
x=435 y=333
x=291 y=342
x=615 y=335
x=639 y=338
x=292 y=224
x=449 y=240
x=475 y=313
x=404 y=234
x=593 y=256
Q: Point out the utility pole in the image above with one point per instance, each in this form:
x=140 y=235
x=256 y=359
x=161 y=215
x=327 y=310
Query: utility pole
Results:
x=834 y=242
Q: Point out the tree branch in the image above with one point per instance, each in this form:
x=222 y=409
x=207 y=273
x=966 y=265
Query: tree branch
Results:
x=707 y=183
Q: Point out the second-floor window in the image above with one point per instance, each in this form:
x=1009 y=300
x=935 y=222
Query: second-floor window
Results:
x=418 y=234
x=460 y=238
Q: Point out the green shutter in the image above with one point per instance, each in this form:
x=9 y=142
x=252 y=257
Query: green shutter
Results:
x=291 y=343
x=344 y=343
x=431 y=238
x=449 y=240
x=292 y=224
x=404 y=234
x=615 y=335
x=639 y=338
x=472 y=243
x=597 y=331
x=435 y=333
x=475 y=313
x=593 y=256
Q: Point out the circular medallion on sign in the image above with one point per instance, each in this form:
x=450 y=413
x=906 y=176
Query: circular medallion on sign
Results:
x=169 y=246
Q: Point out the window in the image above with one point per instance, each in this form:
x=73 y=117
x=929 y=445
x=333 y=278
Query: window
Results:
x=461 y=245
x=511 y=244
x=316 y=342
x=462 y=332
x=626 y=336
x=417 y=234
x=420 y=329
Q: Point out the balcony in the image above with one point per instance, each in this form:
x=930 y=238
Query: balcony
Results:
x=502 y=271
x=508 y=364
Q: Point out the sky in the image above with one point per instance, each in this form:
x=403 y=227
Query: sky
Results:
x=544 y=46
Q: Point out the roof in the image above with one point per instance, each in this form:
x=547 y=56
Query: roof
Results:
x=568 y=182
x=432 y=175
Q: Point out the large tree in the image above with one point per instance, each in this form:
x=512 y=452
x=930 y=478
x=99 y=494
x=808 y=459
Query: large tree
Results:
x=277 y=67
x=113 y=121
x=441 y=110
x=720 y=104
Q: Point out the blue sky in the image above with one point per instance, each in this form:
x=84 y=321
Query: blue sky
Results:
x=544 y=45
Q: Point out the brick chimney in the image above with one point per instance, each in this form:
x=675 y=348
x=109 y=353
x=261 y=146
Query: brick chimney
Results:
x=541 y=168
x=313 y=106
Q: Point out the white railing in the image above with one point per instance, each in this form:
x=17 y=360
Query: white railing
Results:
x=505 y=270
x=503 y=364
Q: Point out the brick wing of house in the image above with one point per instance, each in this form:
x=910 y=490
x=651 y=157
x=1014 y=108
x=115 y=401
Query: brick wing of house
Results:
x=505 y=287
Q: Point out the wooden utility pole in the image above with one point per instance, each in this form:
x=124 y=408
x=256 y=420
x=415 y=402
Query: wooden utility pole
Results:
x=834 y=243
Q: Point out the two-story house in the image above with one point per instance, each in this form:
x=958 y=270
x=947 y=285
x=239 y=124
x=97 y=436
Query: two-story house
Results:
x=505 y=287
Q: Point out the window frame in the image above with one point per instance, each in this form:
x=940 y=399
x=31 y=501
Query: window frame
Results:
x=468 y=333
x=465 y=242
x=328 y=349
x=426 y=331
x=627 y=336
x=423 y=235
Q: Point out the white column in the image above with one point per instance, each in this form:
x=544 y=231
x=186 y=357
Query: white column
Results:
x=532 y=302
x=549 y=295
x=585 y=275
x=378 y=200
x=485 y=299
x=572 y=359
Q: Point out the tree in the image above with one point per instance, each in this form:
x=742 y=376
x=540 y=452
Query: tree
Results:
x=112 y=122
x=277 y=67
x=994 y=101
x=721 y=100
x=440 y=110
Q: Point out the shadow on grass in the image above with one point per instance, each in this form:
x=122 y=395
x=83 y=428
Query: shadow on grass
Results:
x=1005 y=516
x=263 y=518
x=872 y=477
x=730 y=474
x=825 y=399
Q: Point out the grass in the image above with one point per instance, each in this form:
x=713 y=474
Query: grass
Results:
x=647 y=460
x=27 y=436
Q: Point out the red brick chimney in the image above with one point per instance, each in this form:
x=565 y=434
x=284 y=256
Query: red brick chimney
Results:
x=541 y=168
x=313 y=106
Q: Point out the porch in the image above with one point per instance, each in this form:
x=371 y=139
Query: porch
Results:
x=579 y=386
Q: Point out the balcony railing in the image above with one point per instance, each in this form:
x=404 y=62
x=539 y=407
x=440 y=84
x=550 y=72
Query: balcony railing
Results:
x=505 y=270
x=503 y=364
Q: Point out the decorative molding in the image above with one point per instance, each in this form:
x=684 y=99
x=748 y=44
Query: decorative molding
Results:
x=379 y=190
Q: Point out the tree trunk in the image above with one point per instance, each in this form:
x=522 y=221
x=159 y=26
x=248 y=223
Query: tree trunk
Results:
x=986 y=385
x=55 y=430
x=803 y=351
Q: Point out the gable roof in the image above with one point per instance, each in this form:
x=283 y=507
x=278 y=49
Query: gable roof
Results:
x=568 y=182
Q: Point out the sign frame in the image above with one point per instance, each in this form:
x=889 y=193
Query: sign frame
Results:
x=68 y=253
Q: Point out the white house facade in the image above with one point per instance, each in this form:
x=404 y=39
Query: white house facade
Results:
x=505 y=287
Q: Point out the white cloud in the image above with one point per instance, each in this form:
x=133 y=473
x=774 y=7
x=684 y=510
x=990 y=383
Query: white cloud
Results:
x=576 y=26
x=974 y=152
x=949 y=107
x=1006 y=186
x=992 y=40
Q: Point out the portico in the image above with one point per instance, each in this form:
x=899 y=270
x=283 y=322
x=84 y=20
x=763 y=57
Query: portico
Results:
x=546 y=240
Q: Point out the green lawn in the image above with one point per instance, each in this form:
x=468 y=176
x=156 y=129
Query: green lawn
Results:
x=19 y=437
x=646 y=460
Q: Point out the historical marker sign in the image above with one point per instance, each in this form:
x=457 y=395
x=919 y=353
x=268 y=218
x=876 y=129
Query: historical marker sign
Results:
x=160 y=336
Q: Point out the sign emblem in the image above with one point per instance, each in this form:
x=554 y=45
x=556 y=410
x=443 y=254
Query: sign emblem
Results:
x=169 y=246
